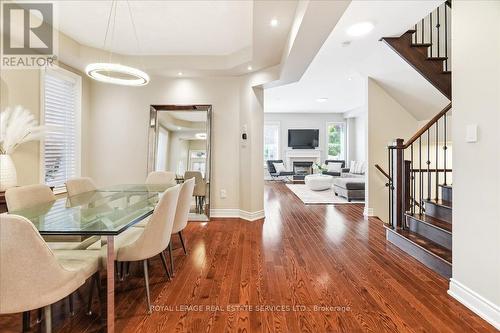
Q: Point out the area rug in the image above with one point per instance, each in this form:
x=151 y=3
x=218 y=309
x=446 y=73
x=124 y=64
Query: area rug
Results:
x=310 y=197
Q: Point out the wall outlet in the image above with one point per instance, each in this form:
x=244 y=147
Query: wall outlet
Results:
x=223 y=194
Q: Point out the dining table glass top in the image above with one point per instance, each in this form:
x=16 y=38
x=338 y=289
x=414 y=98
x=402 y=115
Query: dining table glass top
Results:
x=107 y=211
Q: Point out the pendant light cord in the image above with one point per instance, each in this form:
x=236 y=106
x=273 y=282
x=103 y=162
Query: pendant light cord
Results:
x=108 y=26
x=135 y=34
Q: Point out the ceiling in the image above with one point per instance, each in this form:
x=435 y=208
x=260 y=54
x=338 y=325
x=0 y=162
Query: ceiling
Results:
x=339 y=71
x=163 y=27
x=194 y=116
x=195 y=38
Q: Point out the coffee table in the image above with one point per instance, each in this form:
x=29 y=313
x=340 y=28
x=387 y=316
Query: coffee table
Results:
x=319 y=182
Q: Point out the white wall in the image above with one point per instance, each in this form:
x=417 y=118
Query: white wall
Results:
x=303 y=120
x=178 y=150
x=119 y=129
x=387 y=120
x=476 y=185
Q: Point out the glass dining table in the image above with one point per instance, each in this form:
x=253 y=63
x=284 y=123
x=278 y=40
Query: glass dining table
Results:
x=105 y=212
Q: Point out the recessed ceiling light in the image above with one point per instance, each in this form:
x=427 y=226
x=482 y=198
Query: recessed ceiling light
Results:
x=321 y=100
x=180 y=73
x=274 y=22
x=249 y=67
x=360 y=29
x=349 y=78
x=179 y=128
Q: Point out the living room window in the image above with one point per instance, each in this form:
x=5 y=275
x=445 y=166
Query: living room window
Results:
x=271 y=141
x=336 y=140
x=61 y=98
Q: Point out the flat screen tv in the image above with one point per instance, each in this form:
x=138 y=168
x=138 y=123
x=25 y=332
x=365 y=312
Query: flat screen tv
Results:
x=303 y=138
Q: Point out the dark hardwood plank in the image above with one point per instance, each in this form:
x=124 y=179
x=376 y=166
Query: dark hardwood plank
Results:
x=315 y=255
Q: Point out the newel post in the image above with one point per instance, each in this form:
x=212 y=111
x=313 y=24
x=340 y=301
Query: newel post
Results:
x=398 y=187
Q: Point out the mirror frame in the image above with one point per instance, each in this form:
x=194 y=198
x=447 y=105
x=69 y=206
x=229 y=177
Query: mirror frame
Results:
x=153 y=138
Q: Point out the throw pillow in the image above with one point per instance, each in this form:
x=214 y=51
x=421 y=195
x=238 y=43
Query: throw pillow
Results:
x=334 y=167
x=279 y=167
x=360 y=167
x=352 y=167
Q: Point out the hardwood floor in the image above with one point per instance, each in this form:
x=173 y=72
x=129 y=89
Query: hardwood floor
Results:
x=317 y=268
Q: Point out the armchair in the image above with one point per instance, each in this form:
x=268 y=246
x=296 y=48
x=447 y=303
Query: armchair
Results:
x=272 y=170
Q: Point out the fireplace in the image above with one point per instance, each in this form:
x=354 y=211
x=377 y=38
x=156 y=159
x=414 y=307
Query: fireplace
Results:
x=301 y=169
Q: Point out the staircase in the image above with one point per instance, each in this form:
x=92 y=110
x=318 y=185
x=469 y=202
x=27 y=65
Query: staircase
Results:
x=419 y=177
x=427 y=47
x=427 y=235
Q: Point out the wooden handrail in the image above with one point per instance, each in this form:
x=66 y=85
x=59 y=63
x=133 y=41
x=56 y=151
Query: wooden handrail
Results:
x=379 y=168
x=427 y=126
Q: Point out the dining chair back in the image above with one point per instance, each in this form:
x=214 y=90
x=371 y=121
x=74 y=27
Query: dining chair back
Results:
x=156 y=235
x=183 y=205
x=200 y=186
x=161 y=177
x=75 y=186
x=30 y=275
x=23 y=197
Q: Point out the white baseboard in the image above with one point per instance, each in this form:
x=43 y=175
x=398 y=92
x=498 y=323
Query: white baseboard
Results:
x=237 y=213
x=475 y=302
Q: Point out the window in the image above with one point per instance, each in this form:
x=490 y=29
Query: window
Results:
x=336 y=135
x=271 y=141
x=197 y=161
x=61 y=95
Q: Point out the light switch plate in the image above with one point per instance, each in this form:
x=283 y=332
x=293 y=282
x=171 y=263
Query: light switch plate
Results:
x=471 y=133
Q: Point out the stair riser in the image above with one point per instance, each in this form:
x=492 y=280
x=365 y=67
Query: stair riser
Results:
x=436 y=264
x=436 y=235
x=438 y=212
x=446 y=194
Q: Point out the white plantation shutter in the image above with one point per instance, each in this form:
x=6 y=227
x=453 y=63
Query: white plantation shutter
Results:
x=61 y=146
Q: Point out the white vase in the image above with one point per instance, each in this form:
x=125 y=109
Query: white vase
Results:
x=8 y=174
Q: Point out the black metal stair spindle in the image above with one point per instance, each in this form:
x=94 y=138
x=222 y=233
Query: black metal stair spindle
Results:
x=428 y=164
x=412 y=183
x=420 y=179
x=445 y=148
x=414 y=178
x=437 y=161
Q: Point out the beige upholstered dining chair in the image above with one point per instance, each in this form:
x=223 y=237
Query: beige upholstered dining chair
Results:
x=161 y=177
x=141 y=244
x=200 y=188
x=181 y=215
x=75 y=186
x=157 y=178
x=31 y=275
x=22 y=197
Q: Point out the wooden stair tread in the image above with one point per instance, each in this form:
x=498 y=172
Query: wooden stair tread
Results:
x=438 y=223
x=428 y=245
x=442 y=203
x=421 y=45
x=446 y=72
x=437 y=58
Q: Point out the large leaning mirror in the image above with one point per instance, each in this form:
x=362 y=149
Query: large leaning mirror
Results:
x=179 y=142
